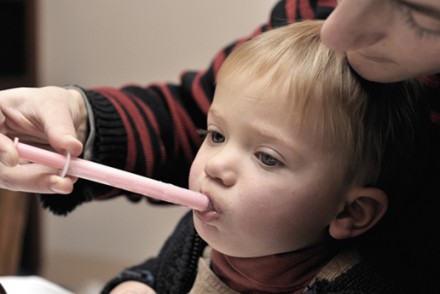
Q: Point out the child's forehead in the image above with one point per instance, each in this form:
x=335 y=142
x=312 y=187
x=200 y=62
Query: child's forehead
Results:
x=258 y=101
x=261 y=89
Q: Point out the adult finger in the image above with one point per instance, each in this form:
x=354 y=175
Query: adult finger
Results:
x=8 y=152
x=35 y=178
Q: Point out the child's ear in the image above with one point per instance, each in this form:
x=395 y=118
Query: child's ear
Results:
x=362 y=209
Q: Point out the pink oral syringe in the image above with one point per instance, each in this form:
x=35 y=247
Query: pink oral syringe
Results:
x=113 y=177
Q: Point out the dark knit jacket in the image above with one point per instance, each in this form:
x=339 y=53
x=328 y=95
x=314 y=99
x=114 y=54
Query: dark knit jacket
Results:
x=175 y=268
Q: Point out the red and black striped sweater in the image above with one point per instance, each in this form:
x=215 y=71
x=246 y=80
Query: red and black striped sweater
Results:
x=152 y=130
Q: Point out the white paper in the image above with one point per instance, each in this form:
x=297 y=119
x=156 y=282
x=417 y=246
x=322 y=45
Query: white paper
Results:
x=30 y=284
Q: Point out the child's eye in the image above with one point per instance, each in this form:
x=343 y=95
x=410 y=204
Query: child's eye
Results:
x=214 y=136
x=267 y=159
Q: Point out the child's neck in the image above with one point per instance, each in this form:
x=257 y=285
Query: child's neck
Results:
x=288 y=272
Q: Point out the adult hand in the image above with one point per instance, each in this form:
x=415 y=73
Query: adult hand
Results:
x=51 y=118
x=132 y=287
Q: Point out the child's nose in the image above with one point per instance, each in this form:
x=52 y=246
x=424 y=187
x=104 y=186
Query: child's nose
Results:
x=222 y=167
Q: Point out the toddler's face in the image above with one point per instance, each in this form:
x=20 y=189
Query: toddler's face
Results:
x=272 y=192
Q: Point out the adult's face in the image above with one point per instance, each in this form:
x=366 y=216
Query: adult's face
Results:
x=387 y=40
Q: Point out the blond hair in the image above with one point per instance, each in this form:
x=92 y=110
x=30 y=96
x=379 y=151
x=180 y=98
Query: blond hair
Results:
x=323 y=95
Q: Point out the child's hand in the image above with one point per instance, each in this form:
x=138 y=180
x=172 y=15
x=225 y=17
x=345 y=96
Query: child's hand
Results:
x=132 y=287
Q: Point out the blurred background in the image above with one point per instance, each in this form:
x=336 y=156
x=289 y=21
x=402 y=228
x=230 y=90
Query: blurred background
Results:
x=96 y=43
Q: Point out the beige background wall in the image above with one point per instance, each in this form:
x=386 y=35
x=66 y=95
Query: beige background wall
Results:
x=114 y=42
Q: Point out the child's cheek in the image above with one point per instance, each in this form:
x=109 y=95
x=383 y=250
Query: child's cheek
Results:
x=195 y=174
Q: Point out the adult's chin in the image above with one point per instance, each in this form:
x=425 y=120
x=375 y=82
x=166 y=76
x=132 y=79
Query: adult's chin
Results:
x=377 y=69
